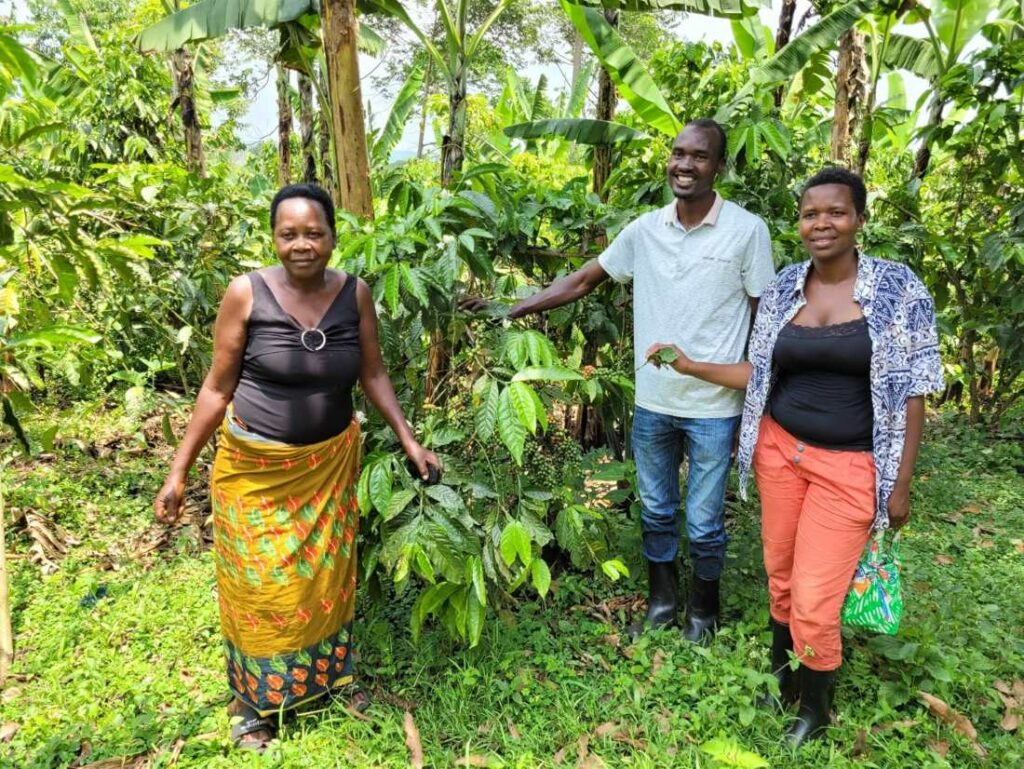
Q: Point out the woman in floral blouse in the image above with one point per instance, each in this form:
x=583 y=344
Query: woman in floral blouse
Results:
x=843 y=350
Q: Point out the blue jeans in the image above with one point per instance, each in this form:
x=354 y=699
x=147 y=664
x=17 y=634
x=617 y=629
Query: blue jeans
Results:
x=659 y=443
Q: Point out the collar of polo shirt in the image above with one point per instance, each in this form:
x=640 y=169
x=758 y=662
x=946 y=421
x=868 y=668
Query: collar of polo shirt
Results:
x=671 y=217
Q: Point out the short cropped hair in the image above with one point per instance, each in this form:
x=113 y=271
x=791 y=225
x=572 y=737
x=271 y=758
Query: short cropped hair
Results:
x=715 y=127
x=312 y=192
x=844 y=176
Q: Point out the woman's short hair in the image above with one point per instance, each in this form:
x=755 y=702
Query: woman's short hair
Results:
x=312 y=192
x=844 y=176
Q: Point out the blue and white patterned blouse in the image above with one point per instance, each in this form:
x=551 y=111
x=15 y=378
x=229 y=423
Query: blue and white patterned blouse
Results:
x=904 y=359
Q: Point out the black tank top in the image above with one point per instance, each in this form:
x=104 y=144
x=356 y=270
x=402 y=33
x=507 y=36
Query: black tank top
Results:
x=822 y=394
x=293 y=392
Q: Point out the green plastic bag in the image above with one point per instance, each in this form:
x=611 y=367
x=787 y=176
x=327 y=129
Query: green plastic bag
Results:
x=875 y=600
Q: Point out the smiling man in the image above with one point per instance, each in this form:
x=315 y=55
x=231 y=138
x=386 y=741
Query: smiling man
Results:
x=698 y=266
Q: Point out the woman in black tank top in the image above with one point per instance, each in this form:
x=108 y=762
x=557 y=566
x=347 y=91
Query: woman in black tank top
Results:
x=290 y=343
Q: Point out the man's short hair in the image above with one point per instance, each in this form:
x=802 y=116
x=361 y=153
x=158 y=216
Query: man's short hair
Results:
x=714 y=126
x=845 y=177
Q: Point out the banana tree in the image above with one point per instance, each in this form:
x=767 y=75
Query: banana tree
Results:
x=452 y=60
x=951 y=25
x=623 y=76
x=338 y=35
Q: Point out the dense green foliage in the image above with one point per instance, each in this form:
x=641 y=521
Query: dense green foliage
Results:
x=113 y=257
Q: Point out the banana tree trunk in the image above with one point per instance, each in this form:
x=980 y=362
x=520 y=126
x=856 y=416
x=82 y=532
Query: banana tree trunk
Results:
x=851 y=91
x=606 y=98
x=6 y=635
x=326 y=163
x=284 y=129
x=452 y=148
x=924 y=152
x=184 y=86
x=306 y=129
x=349 y=128
x=786 y=16
x=427 y=84
x=577 y=54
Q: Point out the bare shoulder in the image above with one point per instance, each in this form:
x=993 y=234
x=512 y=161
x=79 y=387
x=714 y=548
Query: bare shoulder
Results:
x=237 y=301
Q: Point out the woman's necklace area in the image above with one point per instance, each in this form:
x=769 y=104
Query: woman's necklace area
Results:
x=312 y=339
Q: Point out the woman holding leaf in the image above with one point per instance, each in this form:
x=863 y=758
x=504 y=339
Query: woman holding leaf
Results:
x=843 y=350
x=290 y=343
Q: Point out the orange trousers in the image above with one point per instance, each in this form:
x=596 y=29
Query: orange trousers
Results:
x=817 y=508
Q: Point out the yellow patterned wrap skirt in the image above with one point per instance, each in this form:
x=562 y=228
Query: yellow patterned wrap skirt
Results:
x=285 y=520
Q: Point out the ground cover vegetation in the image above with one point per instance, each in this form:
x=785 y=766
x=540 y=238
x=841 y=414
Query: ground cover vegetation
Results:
x=490 y=603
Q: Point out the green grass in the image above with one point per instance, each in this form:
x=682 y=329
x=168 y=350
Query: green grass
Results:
x=140 y=671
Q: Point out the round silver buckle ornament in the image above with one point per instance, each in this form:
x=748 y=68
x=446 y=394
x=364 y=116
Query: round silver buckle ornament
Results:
x=310 y=341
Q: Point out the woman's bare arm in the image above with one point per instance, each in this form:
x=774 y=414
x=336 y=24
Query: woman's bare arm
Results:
x=377 y=385
x=229 y=338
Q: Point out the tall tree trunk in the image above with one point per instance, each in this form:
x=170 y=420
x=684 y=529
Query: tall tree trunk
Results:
x=453 y=144
x=427 y=83
x=306 y=129
x=284 y=128
x=6 y=635
x=851 y=91
x=606 y=98
x=577 y=55
x=786 y=16
x=326 y=163
x=924 y=152
x=185 y=96
x=338 y=18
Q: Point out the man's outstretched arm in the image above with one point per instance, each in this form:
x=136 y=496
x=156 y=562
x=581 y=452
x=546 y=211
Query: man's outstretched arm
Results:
x=568 y=289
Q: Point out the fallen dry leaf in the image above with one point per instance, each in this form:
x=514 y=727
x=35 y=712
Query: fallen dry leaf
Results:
x=971 y=509
x=8 y=730
x=1018 y=545
x=1013 y=702
x=484 y=761
x=939 y=746
x=485 y=728
x=907 y=723
x=608 y=727
x=612 y=639
x=658 y=662
x=593 y=761
x=957 y=720
x=412 y=741
x=512 y=731
x=10 y=694
x=559 y=757
x=860 y=744
x=944 y=560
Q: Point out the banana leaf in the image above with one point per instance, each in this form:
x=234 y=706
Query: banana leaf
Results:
x=913 y=55
x=404 y=104
x=633 y=82
x=582 y=131
x=788 y=61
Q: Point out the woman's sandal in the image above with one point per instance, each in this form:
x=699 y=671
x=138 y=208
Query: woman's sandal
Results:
x=360 y=700
x=251 y=722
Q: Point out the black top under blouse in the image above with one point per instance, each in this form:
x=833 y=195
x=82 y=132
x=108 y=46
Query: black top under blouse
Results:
x=822 y=392
x=288 y=392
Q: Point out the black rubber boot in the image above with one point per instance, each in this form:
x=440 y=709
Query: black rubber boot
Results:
x=702 y=617
x=789 y=679
x=662 y=598
x=816 y=690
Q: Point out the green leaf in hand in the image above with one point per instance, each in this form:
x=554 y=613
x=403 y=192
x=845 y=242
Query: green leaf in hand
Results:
x=665 y=356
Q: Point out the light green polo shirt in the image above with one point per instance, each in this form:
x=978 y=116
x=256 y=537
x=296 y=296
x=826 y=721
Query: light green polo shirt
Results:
x=690 y=288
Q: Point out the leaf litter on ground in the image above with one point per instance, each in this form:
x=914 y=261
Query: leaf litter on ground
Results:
x=960 y=723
